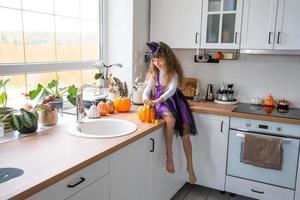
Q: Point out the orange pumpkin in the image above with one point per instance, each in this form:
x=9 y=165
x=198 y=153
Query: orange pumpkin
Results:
x=102 y=108
x=110 y=106
x=269 y=101
x=146 y=114
x=122 y=104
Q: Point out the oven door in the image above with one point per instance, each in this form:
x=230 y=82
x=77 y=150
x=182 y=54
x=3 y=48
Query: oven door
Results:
x=286 y=177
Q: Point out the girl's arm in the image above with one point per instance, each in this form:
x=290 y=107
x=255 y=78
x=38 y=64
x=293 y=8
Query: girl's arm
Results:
x=171 y=89
x=146 y=94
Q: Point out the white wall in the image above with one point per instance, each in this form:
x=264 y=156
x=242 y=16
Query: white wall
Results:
x=127 y=33
x=253 y=75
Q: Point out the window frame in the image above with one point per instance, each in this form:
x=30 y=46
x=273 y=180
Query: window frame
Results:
x=39 y=67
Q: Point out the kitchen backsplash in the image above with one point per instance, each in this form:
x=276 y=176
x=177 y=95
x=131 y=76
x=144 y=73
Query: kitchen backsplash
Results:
x=252 y=75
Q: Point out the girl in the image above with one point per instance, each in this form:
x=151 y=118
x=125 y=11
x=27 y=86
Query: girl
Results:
x=164 y=78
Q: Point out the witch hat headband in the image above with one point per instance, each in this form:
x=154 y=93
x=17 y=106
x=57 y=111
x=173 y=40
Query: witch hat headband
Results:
x=154 y=48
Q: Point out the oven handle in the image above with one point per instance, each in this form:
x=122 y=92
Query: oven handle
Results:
x=242 y=135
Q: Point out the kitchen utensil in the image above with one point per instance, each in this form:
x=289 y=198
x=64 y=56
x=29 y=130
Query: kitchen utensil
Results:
x=137 y=93
x=209 y=93
x=256 y=101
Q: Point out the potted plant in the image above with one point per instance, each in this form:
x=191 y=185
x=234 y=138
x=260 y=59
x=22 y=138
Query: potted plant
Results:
x=47 y=115
x=52 y=95
x=5 y=112
x=25 y=121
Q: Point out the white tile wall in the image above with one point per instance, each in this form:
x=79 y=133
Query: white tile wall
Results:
x=253 y=75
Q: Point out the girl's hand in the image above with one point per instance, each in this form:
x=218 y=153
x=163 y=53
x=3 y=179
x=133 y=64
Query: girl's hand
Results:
x=146 y=101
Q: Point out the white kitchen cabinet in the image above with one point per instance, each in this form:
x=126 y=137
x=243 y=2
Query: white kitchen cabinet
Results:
x=258 y=26
x=210 y=150
x=130 y=171
x=97 y=190
x=297 y=190
x=176 y=22
x=163 y=184
x=271 y=24
x=90 y=183
x=138 y=171
x=221 y=24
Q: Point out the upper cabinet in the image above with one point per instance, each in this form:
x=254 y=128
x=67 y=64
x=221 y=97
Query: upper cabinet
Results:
x=176 y=22
x=221 y=24
x=271 y=24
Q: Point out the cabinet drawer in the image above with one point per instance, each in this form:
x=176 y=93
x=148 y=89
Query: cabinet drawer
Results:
x=257 y=190
x=74 y=182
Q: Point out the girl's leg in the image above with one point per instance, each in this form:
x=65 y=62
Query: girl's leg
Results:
x=187 y=146
x=170 y=123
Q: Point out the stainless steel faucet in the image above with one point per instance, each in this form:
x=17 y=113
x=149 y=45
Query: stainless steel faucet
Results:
x=80 y=111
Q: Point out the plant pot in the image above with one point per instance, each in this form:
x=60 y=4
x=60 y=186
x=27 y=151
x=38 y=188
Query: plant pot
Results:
x=104 y=83
x=4 y=114
x=25 y=130
x=48 y=117
x=57 y=103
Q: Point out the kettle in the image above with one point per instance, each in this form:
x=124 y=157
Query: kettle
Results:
x=137 y=93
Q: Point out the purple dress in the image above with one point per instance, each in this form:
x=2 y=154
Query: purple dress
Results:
x=179 y=107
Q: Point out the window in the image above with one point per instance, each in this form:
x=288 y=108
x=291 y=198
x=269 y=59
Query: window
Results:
x=49 y=34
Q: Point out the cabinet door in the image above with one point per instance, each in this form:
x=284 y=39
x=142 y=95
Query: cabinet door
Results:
x=130 y=171
x=95 y=191
x=210 y=150
x=163 y=184
x=176 y=22
x=221 y=24
x=287 y=26
x=258 y=25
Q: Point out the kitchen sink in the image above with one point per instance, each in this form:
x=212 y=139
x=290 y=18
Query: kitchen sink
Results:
x=102 y=128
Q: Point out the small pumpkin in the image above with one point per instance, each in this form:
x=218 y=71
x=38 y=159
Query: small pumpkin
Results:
x=219 y=55
x=146 y=114
x=102 y=108
x=269 y=101
x=111 y=107
x=122 y=104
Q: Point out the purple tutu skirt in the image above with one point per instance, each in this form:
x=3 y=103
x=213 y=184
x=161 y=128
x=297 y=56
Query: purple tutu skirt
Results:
x=178 y=106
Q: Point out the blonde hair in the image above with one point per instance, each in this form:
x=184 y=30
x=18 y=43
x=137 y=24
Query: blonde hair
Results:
x=172 y=65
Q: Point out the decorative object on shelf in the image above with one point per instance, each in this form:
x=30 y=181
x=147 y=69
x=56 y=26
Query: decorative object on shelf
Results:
x=122 y=104
x=219 y=55
x=137 y=91
x=282 y=106
x=269 y=101
x=52 y=95
x=117 y=88
x=146 y=114
x=47 y=115
x=204 y=55
x=25 y=121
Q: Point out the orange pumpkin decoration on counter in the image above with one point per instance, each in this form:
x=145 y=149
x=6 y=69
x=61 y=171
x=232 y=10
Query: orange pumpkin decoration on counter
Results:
x=269 y=101
x=146 y=114
x=111 y=107
x=102 y=108
x=122 y=104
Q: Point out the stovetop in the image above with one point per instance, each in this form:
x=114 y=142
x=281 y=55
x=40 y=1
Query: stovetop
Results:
x=291 y=113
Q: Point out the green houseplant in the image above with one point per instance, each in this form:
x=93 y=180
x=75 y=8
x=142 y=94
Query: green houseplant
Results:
x=5 y=112
x=52 y=95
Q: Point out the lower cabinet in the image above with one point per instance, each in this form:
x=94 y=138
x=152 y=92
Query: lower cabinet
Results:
x=90 y=183
x=210 y=150
x=138 y=171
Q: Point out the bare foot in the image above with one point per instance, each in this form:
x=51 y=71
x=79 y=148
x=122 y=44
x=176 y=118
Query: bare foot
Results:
x=192 y=176
x=170 y=166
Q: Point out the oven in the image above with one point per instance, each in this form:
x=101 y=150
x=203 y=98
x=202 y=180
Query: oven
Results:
x=290 y=134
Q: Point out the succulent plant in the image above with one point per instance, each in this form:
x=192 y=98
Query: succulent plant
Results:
x=25 y=121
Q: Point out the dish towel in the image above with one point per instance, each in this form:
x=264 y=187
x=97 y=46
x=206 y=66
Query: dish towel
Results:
x=263 y=151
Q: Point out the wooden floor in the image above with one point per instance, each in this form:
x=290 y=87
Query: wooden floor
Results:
x=196 y=192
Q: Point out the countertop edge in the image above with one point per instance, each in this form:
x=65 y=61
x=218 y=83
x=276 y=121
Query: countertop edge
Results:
x=43 y=185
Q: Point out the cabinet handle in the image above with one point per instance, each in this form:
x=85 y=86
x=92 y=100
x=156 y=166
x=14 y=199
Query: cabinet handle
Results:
x=256 y=191
x=196 y=37
x=80 y=181
x=153 y=145
x=269 y=38
x=222 y=123
x=278 y=37
x=235 y=37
